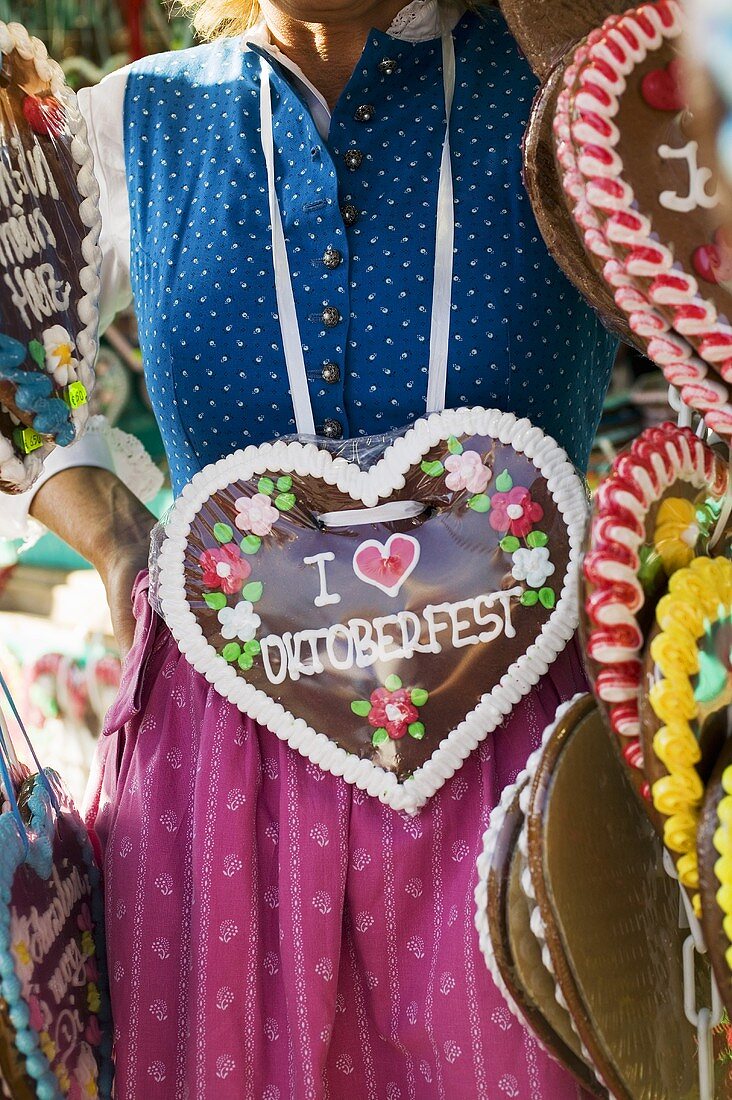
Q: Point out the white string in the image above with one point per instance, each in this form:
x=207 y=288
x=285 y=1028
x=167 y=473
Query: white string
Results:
x=444 y=245
x=390 y=512
x=444 y=248
x=289 y=327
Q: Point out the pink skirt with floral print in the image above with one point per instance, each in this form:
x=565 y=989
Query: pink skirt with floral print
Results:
x=275 y=933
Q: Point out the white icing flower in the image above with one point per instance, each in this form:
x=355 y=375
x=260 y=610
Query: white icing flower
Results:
x=532 y=566
x=240 y=622
x=59 y=348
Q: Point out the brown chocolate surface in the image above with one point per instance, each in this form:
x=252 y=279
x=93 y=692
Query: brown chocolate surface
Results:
x=543 y=184
x=460 y=559
x=611 y=915
x=546 y=29
x=518 y=954
x=712 y=915
x=59 y=232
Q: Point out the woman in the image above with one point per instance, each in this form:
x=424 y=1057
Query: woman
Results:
x=274 y=932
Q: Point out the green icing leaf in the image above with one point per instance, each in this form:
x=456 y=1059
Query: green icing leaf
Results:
x=285 y=502
x=215 y=600
x=222 y=532
x=419 y=697
x=547 y=598
x=454 y=446
x=253 y=591
x=504 y=482
x=536 y=538
x=266 y=486
x=480 y=502
x=245 y=662
x=253 y=648
x=392 y=683
x=250 y=544
x=416 y=730
x=231 y=652
x=529 y=598
x=37 y=353
x=712 y=678
x=509 y=544
x=284 y=484
x=361 y=707
x=379 y=736
x=433 y=469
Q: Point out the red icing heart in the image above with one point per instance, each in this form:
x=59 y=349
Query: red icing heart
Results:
x=386 y=565
x=662 y=89
x=713 y=262
x=44 y=115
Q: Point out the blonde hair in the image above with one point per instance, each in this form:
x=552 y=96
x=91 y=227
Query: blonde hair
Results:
x=226 y=18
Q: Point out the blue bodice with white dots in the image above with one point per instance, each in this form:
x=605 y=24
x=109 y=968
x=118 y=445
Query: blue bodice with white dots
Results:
x=359 y=217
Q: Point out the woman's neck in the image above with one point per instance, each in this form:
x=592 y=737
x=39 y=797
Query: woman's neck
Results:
x=326 y=44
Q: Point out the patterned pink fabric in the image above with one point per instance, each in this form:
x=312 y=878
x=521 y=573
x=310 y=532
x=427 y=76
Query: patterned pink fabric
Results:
x=274 y=933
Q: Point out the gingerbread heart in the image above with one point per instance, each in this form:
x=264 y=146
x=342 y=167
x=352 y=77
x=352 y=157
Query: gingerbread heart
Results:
x=49 y=260
x=55 y=1029
x=641 y=173
x=425 y=595
x=654 y=512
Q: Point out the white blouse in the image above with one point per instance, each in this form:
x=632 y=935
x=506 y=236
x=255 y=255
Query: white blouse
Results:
x=103 y=110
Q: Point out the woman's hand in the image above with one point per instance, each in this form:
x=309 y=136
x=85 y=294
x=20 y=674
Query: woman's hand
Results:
x=96 y=514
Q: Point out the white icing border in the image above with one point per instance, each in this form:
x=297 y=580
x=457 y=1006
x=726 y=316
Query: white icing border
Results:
x=522 y=784
x=367 y=487
x=605 y=190
x=647 y=477
x=14 y=36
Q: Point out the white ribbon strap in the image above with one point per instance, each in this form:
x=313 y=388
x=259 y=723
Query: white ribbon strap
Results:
x=444 y=248
x=289 y=327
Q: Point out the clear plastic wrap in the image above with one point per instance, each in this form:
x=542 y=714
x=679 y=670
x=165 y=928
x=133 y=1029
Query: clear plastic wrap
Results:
x=49 y=261
x=380 y=604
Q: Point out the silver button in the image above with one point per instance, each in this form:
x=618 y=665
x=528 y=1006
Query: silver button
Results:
x=353 y=159
x=364 y=113
x=331 y=372
x=387 y=66
x=331 y=316
x=332 y=257
x=349 y=213
x=332 y=429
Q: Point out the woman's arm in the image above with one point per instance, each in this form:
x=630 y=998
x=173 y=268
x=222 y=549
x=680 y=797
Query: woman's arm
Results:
x=96 y=514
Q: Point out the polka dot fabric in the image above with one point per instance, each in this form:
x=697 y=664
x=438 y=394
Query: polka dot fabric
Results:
x=521 y=338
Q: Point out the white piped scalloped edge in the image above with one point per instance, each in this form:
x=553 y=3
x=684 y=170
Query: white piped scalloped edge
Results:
x=367 y=487
x=14 y=36
x=522 y=783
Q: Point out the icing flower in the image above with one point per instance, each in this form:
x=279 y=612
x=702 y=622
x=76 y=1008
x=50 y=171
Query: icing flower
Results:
x=47 y=1045
x=87 y=945
x=240 y=622
x=677 y=533
x=466 y=471
x=256 y=514
x=224 y=567
x=514 y=511
x=36 y=1015
x=62 y=1076
x=532 y=566
x=59 y=348
x=393 y=711
x=84 y=920
x=93 y=1000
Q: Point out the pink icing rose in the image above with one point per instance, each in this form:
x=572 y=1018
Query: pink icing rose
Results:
x=91 y=970
x=466 y=471
x=36 y=1015
x=256 y=514
x=84 y=920
x=392 y=710
x=515 y=511
x=224 y=567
